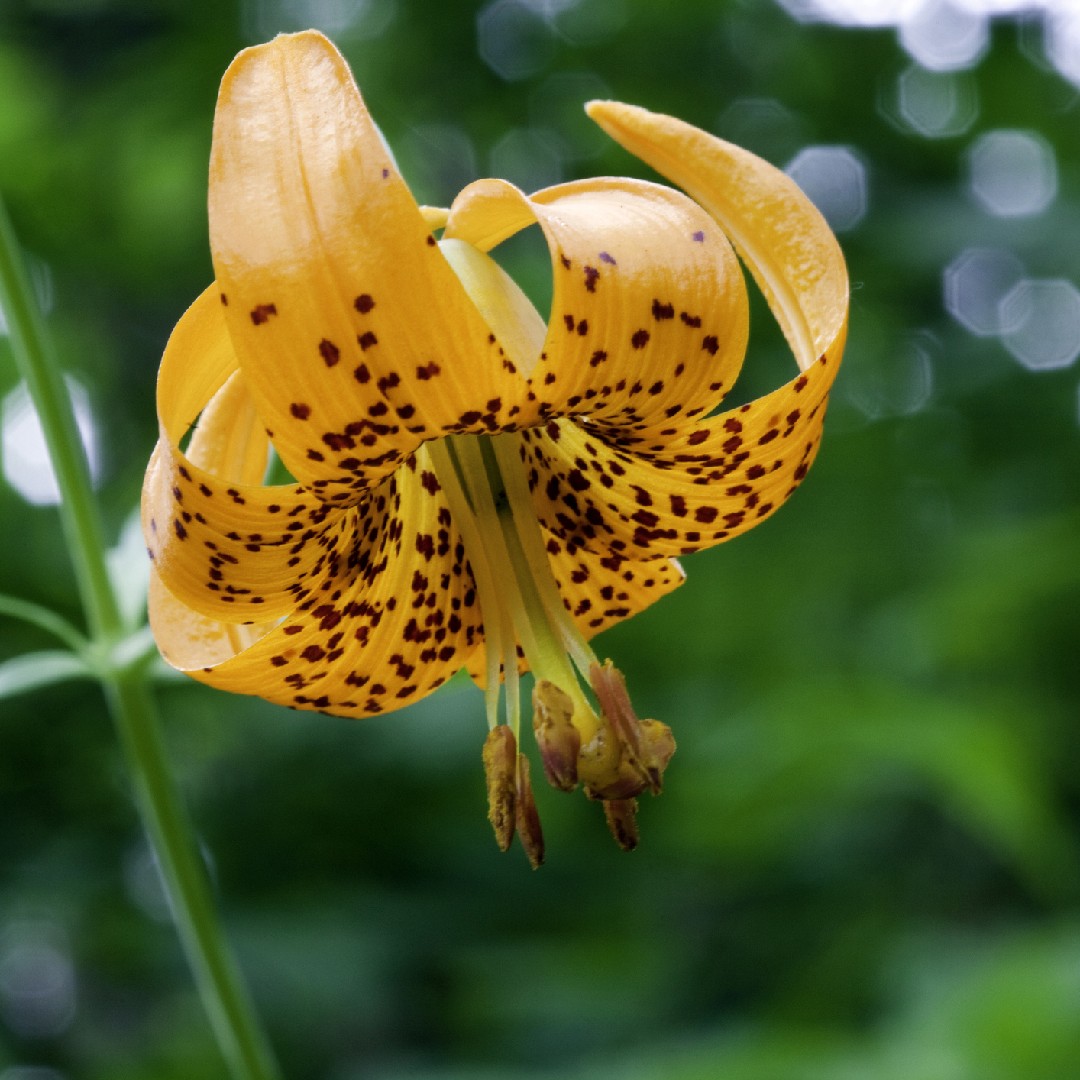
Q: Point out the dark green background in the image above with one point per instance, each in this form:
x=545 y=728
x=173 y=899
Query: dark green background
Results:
x=865 y=860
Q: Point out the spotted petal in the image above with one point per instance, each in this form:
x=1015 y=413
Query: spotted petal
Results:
x=220 y=540
x=355 y=337
x=649 y=314
x=685 y=486
x=391 y=616
x=783 y=239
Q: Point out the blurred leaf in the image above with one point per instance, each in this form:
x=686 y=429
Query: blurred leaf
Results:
x=129 y=571
x=32 y=671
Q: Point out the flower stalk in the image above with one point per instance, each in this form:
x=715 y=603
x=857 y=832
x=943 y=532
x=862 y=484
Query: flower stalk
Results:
x=220 y=985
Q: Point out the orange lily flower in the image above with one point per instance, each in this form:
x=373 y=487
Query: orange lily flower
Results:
x=471 y=486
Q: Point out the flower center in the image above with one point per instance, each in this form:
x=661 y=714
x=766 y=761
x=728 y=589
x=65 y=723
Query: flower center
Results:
x=606 y=748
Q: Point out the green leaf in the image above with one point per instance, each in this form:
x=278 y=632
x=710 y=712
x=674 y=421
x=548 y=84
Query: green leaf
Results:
x=32 y=670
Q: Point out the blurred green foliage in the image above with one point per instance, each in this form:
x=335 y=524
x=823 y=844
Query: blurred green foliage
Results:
x=865 y=861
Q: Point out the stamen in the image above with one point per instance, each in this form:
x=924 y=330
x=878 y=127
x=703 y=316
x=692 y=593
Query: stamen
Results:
x=500 y=756
x=526 y=817
x=621 y=818
x=496 y=630
x=559 y=741
x=609 y=750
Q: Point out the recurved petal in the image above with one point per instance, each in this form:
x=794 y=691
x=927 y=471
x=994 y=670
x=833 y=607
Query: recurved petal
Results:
x=698 y=486
x=683 y=486
x=649 y=314
x=386 y=624
x=356 y=338
x=600 y=590
x=222 y=542
x=781 y=236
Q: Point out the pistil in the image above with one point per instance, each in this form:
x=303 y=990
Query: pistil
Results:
x=613 y=754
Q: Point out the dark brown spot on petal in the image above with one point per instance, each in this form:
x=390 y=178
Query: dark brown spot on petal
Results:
x=329 y=352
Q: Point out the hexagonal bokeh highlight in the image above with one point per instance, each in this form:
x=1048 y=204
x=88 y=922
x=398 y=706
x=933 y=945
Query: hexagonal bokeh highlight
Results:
x=1061 y=40
x=851 y=12
x=943 y=36
x=513 y=39
x=530 y=157
x=934 y=104
x=1042 y=323
x=557 y=105
x=975 y=283
x=359 y=19
x=762 y=124
x=439 y=160
x=1012 y=173
x=902 y=386
x=834 y=178
x=27 y=467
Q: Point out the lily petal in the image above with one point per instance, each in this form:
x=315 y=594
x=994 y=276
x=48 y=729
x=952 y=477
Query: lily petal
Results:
x=388 y=621
x=222 y=543
x=704 y=484
x=649 y=312
x=778 y=232
x=686 y=486
x=356 y=338
x=600 y=591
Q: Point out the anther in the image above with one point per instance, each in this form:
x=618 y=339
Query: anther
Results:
x=559 y=741
x=621 y=817
x=500 y=758
x=643 y=748
x=527 y=819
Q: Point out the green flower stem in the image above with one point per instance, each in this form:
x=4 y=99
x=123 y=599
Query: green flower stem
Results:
x=220 y=984
x=217 y=977
x=45 y=383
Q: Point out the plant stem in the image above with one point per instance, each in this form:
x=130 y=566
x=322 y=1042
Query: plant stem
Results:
x=221 y=987
x=217 y=977
x=37 y=365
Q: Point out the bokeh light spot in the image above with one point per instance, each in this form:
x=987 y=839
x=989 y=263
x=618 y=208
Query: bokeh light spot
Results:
x=834 y=178
x=558 y=105
x=37 y=979
x=513 y=39
x=901 y=387
x=935 y=104
x=1012 y=173
x=357 y=19
x=942 y=36
x=27 y=467
x=763 y=125
x=529 y=157
x=975 y=283
x=851 y=12
x=1042 y=323
x=439 y=160
x=1061 y=40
